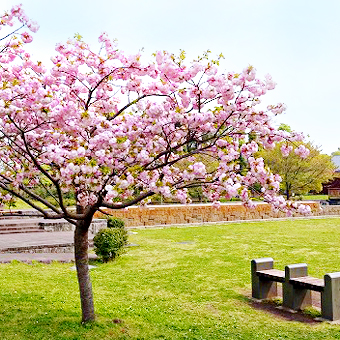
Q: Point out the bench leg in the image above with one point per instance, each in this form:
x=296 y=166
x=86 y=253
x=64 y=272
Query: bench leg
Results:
x=295 y=297
x=330 y=297
x=262 y=289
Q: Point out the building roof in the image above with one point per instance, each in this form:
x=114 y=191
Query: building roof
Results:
x=333 y=184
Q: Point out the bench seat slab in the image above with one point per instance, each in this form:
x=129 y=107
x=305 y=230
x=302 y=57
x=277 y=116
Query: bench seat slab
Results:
x=272 y=274
x=309 y=282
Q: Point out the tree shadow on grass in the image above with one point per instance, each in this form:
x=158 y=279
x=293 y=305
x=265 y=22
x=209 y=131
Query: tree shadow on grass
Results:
x=271 y=307
x=274 y=308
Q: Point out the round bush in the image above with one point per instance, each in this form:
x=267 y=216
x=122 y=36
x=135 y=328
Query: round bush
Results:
x=109 y=243
x=115 y=222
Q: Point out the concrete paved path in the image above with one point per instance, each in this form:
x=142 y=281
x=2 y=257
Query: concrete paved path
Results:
x=35 y=239
x=27 y=240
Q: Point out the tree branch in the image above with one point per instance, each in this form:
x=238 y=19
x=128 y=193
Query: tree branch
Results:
x=128 y=203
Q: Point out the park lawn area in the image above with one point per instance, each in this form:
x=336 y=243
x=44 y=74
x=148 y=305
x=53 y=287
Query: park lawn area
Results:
x=21 y=205
x=315 y=197
x=180 y=283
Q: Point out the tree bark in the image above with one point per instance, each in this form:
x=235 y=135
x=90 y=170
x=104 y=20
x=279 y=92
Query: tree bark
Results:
x=82 y=265
x=287 y=191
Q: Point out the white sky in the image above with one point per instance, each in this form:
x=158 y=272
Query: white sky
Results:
x=296 y=41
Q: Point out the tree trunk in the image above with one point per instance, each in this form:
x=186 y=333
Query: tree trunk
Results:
x=287 y=191
x=82 y=265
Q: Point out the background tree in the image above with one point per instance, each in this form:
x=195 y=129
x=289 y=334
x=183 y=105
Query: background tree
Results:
x=112 y=131
x=336 y=153
x=299 y=175
x=285 y=127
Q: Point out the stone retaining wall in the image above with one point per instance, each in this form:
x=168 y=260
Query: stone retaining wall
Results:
x=199 y=213
x=330 y=210
x=63 y=225
x=54 y=249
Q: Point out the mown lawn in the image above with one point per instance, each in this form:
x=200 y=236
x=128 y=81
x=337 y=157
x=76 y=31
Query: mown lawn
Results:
x=315 y=197
x=180 y=283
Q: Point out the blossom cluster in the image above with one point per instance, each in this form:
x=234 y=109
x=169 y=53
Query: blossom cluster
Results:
x=14 y=46
x=114 y=130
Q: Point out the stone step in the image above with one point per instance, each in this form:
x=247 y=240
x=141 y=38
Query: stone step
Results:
x=14 y=226
x=18 y=226
x=17 y=231
x=8 y=226
x=42 y=248
x=7 y=216
x=22 y=225
x=22 y=222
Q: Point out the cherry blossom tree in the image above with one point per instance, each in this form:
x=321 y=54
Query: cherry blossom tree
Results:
x=114 y=130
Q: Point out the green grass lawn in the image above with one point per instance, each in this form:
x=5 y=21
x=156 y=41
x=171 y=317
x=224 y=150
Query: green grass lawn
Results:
x=19 y=204
x=168 y=289
x=315 y=197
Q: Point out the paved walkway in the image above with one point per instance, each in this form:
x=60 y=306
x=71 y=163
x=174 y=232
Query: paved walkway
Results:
x=39 y=239
x=35 y=239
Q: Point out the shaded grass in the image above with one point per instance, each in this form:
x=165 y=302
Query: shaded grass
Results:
x=181 y=283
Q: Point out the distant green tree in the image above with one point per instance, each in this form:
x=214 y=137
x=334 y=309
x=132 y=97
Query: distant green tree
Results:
x=285 y=127
x=299 y=176
x=336 y=153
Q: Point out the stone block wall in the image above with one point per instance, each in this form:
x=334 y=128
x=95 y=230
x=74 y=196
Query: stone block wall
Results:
x=63 y=225
x=330 y=210
x=197 y=213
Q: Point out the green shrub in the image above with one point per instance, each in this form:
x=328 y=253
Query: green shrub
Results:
x=115 y=222
x=109 y=242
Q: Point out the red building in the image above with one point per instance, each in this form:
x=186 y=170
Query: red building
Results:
x=332 y=188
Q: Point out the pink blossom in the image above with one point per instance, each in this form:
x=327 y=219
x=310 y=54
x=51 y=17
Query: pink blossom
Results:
x=304 y=209
x=7 y=197
x=17 y=10
x=217 y=204
x=181 y=195
x=286 y=149
x=198 y=169
x=33 y=26
x=270 y=84
x=302 y=151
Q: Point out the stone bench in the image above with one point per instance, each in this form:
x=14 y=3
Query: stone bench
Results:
x=265 y=278
x=296 y=286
